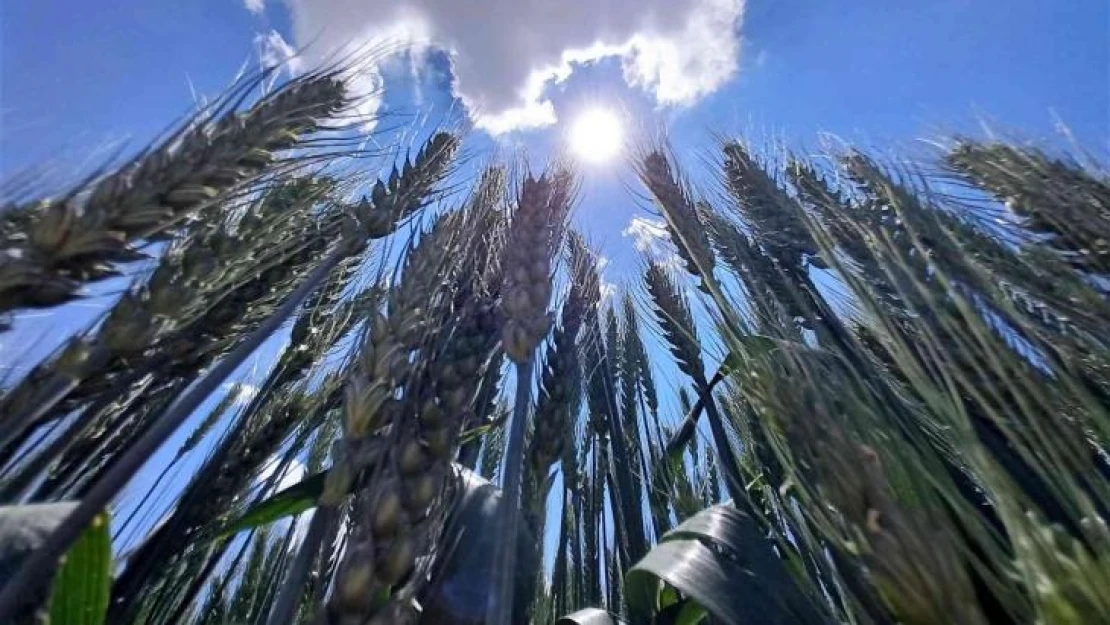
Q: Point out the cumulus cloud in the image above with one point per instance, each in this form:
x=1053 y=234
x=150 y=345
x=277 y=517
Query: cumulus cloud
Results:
x=255 y=6
x=607 y=288
x=505 y=53
x=649 y=236
x=273 y=51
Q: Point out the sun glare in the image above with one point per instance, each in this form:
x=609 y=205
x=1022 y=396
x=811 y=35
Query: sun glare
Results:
x=596 y=135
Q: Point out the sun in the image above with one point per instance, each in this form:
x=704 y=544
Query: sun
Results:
x=596 y=135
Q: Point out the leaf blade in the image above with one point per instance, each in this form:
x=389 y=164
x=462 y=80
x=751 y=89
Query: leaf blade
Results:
x=288 y=502
x=79 y=595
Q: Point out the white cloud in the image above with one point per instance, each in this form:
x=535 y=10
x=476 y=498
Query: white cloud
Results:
x=760 y=59
x=649 y=236
x=607 y=288
x=273 y=51
x=255 y=6
x=506 y=52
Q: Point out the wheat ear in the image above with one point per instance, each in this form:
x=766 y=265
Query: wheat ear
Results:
x=98 y=496
x=32 y=572
x=222 y=324
x=382 y=450
x=407 y=189
x=277 y=407
x=560 y=381
x=683 y=221
x=1051 y=196
x=188 y=277
x=54 y=247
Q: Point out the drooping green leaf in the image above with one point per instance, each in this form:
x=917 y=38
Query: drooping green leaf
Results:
x=719 y=559
x=79 y=595
x=293 y=500
x=677 y=610
x=755 y=346
x=459 y=588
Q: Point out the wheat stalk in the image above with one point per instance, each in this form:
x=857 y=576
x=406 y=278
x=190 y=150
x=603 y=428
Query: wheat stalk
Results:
x=673 y=313
x=535 y=232
x=605 y=423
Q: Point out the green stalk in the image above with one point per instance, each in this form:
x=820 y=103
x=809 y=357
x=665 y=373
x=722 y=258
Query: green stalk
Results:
x=500 y=606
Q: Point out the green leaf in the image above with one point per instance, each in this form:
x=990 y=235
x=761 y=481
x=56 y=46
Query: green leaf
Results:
x=755 y=346
x=720 y=559
x=691 y=614
x=473 y=433
x=79 y=595
x=459 y=591
x=678 y=610
x=293 y=500
x=668 y=596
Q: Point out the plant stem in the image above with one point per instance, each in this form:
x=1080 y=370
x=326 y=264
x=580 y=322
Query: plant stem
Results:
x=285 y=605
x=500 y=606
x=727 y=458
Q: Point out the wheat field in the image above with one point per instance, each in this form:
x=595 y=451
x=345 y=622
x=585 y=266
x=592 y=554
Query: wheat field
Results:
x=891 y=399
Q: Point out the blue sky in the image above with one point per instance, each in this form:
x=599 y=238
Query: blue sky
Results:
x=76 y=78
x=79 y=79
x=78 y=82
